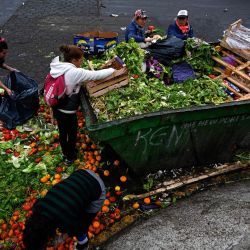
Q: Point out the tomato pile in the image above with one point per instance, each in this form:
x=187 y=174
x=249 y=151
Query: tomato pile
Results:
x=31 y=163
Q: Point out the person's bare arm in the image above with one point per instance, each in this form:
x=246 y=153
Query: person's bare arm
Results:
x=9 y=92
x=5 y=66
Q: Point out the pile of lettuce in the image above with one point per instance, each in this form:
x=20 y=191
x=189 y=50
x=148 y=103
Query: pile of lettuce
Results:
x=146 y=94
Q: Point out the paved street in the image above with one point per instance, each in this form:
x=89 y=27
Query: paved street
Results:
x=215 y=219
x=8 y=9
x=38 y=28
x=208 y=17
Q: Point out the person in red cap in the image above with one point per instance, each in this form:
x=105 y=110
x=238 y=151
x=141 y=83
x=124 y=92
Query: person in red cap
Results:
x=136 y=28
x=181 y=27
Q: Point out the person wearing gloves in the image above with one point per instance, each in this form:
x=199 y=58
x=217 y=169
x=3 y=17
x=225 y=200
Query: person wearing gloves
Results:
x=65 y=113
x=181 y=27
x=70 y=207
x=136 y=29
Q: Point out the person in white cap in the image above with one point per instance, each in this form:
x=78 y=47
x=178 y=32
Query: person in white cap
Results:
x=181 y=27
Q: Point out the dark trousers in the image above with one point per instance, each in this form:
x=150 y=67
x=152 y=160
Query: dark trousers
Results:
x=88 y=219
x=67 y=125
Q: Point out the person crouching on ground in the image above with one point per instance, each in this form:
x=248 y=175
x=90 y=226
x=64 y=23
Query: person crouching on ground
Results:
x=70 y=206
x=181 y=27
x=65 y=113
x=3 y=65
x=136 y=29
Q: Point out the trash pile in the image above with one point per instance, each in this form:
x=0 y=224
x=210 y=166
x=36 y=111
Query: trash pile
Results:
x=151 y=91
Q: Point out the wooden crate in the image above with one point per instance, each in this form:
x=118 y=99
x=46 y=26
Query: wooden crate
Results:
x=118 y=79
x=237 y=75
x=245 y=53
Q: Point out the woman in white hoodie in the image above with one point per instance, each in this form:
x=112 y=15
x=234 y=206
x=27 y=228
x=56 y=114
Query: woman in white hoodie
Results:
x=65 y=113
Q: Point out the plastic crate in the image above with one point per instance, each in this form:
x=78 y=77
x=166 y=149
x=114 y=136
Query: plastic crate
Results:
x=96 y=42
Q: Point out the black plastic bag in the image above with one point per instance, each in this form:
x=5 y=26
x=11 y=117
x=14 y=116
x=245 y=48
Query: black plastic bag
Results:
x=22 y=104
x=167 y=49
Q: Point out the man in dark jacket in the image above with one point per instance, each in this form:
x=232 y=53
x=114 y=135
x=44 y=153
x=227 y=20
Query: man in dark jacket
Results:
x=136 y=28
x=69 y=206
x=181 y=27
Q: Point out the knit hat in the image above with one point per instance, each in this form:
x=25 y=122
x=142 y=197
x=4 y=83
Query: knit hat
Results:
x=140 y=14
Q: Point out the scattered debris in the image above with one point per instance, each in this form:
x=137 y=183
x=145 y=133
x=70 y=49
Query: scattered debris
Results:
x=173 y=184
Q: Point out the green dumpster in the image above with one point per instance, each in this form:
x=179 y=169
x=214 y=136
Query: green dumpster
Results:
x=175 y=138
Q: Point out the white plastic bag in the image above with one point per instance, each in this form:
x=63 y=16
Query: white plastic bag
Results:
x=238 y=37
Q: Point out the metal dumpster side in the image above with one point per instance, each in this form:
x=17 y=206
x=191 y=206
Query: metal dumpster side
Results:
x=175 y=138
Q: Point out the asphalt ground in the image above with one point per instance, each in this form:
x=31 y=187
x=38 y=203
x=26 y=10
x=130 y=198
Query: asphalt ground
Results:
x=7 y=9
x=209 y=18
x=215 y=219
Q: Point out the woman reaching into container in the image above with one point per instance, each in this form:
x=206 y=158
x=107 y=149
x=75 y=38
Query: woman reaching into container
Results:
x=65 y=113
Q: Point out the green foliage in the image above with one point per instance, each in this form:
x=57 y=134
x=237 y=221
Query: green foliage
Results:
x=149 y=95
x=20 y=174
x=144 y=94
x=174 y=200
x=13 y=187
x=243 y=156
x=130 y=53
x=149 y=184
x=159 y=31
x=199 y=55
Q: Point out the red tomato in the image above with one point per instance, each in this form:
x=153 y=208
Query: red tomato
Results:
x=4 y=226
x=151 y=28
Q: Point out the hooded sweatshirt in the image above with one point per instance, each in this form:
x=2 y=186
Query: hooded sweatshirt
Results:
x=74 y=78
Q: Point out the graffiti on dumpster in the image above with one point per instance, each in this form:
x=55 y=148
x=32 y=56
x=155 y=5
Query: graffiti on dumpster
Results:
x=170 y=136
x=164 y=136
x=224 y=120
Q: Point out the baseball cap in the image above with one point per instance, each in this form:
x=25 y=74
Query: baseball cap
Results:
x=140 y=14
x=182 y=13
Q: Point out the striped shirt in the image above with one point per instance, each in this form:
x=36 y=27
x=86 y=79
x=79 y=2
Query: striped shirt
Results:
x=67 y=201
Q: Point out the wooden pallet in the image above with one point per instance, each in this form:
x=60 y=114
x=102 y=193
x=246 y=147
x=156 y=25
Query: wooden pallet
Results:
x=245 y=53
x=169 y=186
x=235 y=75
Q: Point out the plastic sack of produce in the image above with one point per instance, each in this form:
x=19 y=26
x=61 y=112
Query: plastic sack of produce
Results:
x=167 y=49
x=182 y=72
x=22 y=104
